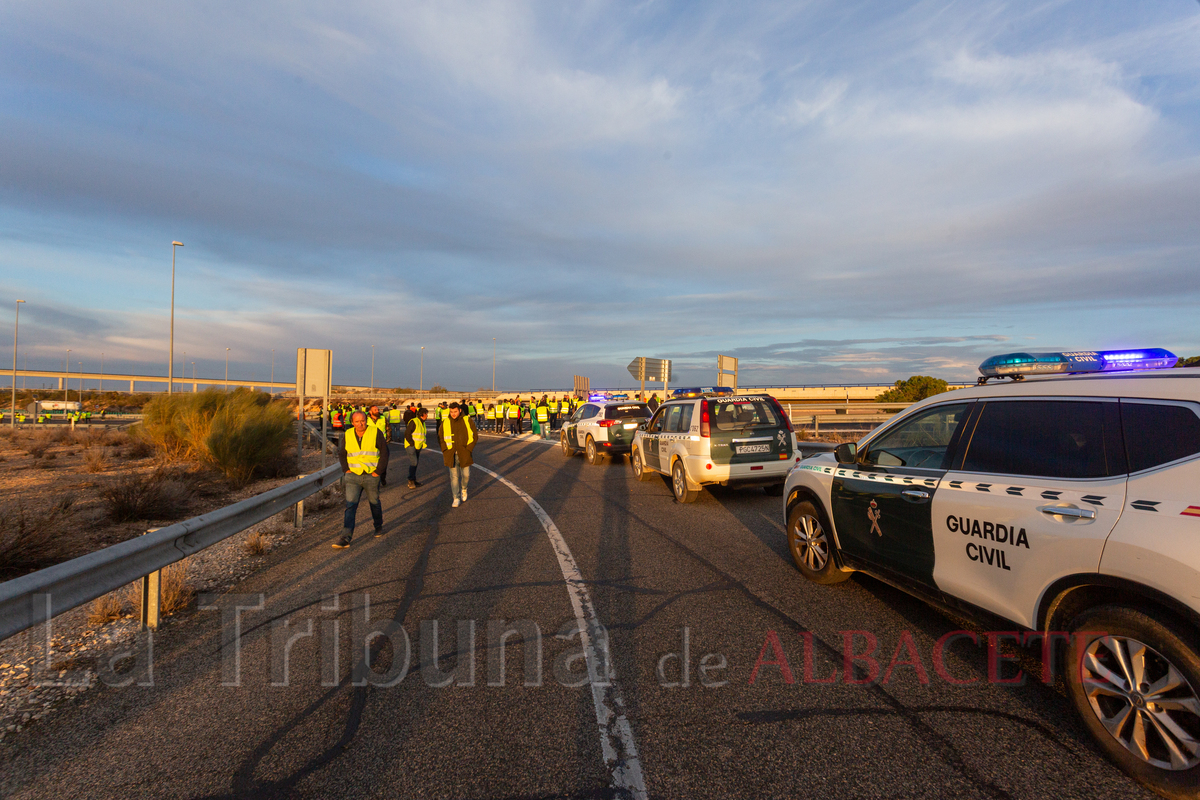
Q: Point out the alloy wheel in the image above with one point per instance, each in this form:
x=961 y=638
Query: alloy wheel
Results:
x=808 y=542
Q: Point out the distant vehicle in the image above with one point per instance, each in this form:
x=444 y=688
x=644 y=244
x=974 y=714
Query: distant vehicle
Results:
x=1064 y=505
x=601 y=428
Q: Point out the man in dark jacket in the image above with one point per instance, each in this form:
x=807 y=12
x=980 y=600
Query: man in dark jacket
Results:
x=363 y=451
x=457 y=436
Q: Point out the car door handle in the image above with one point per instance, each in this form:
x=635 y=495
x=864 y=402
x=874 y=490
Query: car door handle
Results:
x=1063 y=511
x=915 y=495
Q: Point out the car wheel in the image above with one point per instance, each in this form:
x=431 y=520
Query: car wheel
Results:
x=566 y=446
x=679 y=484
x=639 y=468
x=811 y=546
x=593 y=457
x=774 y=490
x=1134 y=682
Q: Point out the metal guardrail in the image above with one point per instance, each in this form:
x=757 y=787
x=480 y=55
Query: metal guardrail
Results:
x=34 y=598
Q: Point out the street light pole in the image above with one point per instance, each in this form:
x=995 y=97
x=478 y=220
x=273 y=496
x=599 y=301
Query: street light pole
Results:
x=66 y=380
x=272 y=369
x=102 y=373
x=171 y=362
x=493 y=363
x=80 y=385
x=422 y=386
x=16 y=328
x=372 y=368
x=226 y=369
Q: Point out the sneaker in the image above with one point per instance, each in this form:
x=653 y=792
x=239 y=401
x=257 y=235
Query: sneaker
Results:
x=464 y=495
x=452 y=505
x=342 y=543
x=412 y=484
x=378 y=532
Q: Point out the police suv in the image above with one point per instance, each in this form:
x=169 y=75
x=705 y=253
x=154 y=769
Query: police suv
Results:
x=1061 y=504
x=602 y=426
x=707 y=436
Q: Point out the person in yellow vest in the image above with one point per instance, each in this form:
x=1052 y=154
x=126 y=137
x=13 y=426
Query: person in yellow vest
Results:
x=542 y=413
x=553 y=413
x=457 y=436
x=374 y=417
x=395 y=419
x=415 y=437
x=513 y=413
x=363 y=452
x=490 y=417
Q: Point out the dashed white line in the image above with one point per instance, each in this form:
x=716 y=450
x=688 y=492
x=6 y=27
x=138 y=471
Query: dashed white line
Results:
x=616 y=734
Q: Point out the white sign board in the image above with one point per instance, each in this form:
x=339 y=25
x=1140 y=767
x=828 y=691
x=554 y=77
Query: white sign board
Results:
x=314 y=372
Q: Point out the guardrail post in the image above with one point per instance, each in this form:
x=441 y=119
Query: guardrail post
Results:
x=816 y=426
x=151 y=597
x=300 y=511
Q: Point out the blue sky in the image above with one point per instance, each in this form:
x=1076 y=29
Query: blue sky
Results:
x=831 y=191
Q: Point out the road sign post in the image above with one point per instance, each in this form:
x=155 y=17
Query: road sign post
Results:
x=727 y=365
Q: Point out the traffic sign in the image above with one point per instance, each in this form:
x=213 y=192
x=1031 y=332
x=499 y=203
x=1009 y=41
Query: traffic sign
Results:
x=650 y=369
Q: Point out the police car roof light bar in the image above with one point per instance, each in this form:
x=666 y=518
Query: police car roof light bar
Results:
x=703 y=391
x=1018 y=365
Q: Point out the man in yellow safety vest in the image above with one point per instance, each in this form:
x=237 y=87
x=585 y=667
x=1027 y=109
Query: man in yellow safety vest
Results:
x=415 y=436
x=379 y=421
x=363 y=452
x=457 y=436
x=543 y=417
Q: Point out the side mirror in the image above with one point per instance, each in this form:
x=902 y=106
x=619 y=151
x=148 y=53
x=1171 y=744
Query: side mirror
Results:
x=846 y=453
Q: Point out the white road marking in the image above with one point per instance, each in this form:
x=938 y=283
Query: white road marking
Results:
x=616 y=735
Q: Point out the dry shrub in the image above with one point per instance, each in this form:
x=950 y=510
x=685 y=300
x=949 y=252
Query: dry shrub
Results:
x=32 y=541
x=106 y=608
x=139 y=449
x=95 y=460
x=163 y=494
x=38 y=444
x=256 y=543
x=58 y=435
x=329 y=497
x=117 y=439
x=89 y=439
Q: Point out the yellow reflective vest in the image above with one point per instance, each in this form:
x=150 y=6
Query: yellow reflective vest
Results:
x=362 y=456
x=512 y=411
x=491 y=412
x=418 y=434
x=543 y=413
x=448 y=432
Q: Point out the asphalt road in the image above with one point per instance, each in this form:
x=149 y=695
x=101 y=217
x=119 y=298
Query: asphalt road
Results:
x=452 y=726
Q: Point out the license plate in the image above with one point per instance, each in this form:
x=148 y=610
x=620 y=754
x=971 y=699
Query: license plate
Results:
x=745 y=449
x=629 y=425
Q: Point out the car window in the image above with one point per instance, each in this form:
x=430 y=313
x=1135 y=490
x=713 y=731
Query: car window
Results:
x=590 y=411
x=739 y=415
x=1157 y=434
x=685 y=417
x=1046 y=438
x=630 y=411
x=656 y=424
x=921 y=442
x=672 y=423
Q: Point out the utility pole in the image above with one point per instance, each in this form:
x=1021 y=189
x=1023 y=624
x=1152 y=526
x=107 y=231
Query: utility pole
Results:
x=493 y=364
x=171 y=360
x=422 y=385
x=16 y=328
x=272 y=369
x=226 y=369
x=102 y=373
x=372 y=368
x=66 y=380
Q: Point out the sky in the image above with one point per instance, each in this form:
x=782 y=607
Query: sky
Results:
x=832 y=192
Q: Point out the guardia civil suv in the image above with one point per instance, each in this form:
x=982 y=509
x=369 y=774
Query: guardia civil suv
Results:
x=602 y=427
x=1060 y=503
x=706 y=436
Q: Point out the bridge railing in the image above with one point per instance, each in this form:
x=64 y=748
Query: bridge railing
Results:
x=35 y=598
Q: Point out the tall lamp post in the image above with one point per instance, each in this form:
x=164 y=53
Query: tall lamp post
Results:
x=171 y=361
x=227 y=369
x=372 y=368
x=493 y=363
x=272 y=370
x=102 y=373
x=422 y=385
x=16 y=327
x=66 y=379
x=80 y=385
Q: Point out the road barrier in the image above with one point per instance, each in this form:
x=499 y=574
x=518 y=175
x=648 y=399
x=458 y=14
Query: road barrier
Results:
x=809 y=416
x=35 y=598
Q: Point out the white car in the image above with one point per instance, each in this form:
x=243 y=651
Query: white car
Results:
x=704 y=438
x=1060 y=504
x=601 y=427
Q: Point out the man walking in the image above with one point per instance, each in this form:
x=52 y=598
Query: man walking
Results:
x=414 y=443
x=457 y=436
x=363 y=452
x=543 y=417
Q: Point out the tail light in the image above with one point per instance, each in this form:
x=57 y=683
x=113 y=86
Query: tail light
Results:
x=705 y=430
x=786 y=419
x=606 y=423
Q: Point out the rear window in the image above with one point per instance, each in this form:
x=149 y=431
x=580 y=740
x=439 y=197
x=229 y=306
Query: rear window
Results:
x=1158 y=434
x=1046 y=438
x=639 y=410
x=739 y=415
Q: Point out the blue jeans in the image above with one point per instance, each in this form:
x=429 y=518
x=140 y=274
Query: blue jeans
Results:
x=545 y=429
x=459 y=476
x=414 y=455
x=356 y=485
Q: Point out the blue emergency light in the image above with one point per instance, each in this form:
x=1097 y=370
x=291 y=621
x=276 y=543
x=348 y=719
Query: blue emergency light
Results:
x=1017 y=365
x=702 y=391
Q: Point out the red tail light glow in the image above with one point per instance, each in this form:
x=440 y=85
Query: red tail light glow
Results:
x=705 y=429
x=606 y=423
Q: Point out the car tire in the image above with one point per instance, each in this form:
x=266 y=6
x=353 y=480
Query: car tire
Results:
x=774 y=490
x=639 y=467
x=679 y=486
x=566 y=446
x=1114 y=646
x=591 y=452
x=811 y=544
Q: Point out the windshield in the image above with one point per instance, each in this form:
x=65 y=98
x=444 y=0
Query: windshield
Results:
x=624 y=411
x=740 y=415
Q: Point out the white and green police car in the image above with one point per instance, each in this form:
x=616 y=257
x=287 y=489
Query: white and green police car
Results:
x=711 y=436
x=1066 y=504
x=602 y=427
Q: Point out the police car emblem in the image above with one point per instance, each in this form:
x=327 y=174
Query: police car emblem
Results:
x=781 y=436
x=874 y=514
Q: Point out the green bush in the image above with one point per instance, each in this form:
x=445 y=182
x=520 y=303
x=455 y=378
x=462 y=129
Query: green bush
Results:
x=918 y=387
x=1194 y=361
x=240 y=432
